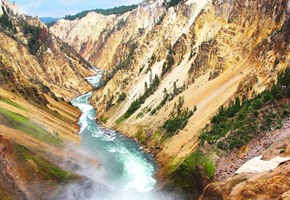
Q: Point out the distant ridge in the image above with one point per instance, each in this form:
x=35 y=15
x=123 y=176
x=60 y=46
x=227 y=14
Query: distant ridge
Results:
x=48 y=19
x=111 y=11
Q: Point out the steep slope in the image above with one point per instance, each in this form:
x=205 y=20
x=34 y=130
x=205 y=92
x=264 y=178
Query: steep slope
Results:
x=30 y=53
x=38 y=72
x=239 y=132
x=203 y=53
x=38 y=147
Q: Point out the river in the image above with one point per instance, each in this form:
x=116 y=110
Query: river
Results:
x=125 y=167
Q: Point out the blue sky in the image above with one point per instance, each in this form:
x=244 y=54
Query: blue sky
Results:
x=59 y=8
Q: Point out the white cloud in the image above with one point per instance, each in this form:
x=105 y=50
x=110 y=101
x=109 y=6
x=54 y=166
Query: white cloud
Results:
x=30 y=7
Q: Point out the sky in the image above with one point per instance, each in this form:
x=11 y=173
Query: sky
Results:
x=60 y=8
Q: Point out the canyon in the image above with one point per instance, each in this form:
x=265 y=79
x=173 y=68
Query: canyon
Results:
x=219 y=49
x=203 y=53
x=172 y=71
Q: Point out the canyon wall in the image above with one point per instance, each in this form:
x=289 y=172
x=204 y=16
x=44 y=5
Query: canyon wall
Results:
x=202 y=52
x=30 y=54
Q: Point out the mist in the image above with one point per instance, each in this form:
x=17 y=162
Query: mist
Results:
x=93 y=183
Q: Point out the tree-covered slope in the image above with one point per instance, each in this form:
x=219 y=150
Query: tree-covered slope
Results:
x=111 y=11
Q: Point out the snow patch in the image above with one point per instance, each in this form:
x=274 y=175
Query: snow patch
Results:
x=257 y=165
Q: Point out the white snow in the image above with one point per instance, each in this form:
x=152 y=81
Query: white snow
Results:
x=257 y=165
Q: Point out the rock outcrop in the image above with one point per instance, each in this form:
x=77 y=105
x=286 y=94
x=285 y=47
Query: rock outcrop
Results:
x=273 y=185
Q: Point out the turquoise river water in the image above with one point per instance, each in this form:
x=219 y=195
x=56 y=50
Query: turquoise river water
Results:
x=125 y=167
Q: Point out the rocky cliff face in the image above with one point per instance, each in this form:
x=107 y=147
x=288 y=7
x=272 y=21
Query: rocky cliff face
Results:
x=178 y=64
x=29 y=53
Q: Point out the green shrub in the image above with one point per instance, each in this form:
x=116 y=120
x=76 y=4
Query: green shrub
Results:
x=36 y=37
x=177 y=122
x=120 y=119
x=186 y=174
x=267 y=96
x=121 y=97
x=136 y=104
x=257 y=103
x=209 y=167
x=167 y=66
x=5 y=23
x=178 y=119
x=109 y=103
x=242 y=120
x=172 y=3
x=139 y=135
x=169 y=96
x=33 y=45
x=31 y=29
x=103 y=119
